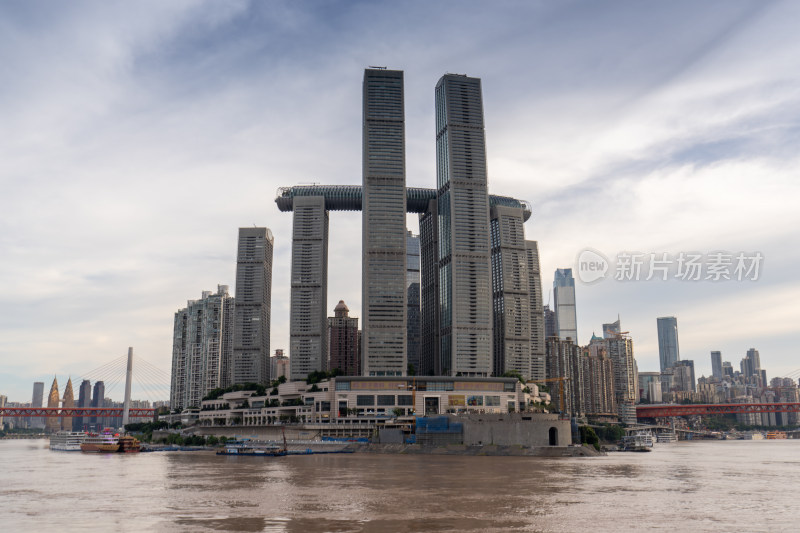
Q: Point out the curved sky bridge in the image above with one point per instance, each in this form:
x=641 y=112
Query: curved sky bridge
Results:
x=348 y=198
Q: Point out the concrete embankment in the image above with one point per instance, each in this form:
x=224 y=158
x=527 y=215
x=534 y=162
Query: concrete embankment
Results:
x=488 y=449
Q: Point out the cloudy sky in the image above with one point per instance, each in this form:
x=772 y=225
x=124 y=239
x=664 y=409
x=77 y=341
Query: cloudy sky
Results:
x=137 y=137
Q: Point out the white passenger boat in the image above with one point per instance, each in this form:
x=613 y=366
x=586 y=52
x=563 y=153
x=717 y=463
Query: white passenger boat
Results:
x=67 y=441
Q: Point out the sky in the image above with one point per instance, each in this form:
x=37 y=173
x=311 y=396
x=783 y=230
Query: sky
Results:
x=136 y=138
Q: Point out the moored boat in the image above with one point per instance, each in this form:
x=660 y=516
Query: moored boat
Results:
x=640 y=442
x=128 y=444
x=103 y=442
x=67 y=441
x=244 y=449
x=666 y=436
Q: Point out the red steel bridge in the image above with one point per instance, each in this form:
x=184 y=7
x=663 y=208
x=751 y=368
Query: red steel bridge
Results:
x=51 y=412
x=660 y=411
x=113 y=370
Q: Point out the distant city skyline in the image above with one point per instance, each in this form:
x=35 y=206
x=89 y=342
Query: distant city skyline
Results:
x=154 y=118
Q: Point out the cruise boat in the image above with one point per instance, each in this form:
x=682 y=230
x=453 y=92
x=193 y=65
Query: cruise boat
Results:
x=640 y=442
x=128 y=444
x=103 y=442
x=67 y=441
x=774 y=435
x=666 y=436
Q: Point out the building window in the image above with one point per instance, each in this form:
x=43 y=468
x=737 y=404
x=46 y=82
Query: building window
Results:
x=363 y=399
x=384 y=399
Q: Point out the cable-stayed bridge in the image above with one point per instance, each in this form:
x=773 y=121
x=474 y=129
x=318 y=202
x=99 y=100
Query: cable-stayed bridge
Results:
x=151 y=382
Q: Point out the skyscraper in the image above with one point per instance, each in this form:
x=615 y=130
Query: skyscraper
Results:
x=684 y=375
x=69 y=403
x=668 y=352
x=413 y=314
x=536 y=311
x=84 y=400
x=550 y=328
x=598 y=379
x=564 y=295
x=751 y=368
x=620 y=350
x=53 y=400
x=510 y=292
x=343 y=341
x=253 y=304
x=564 y=361
x=611 y=330
x=37 y=401
x=98 y=400
x=716 y=364
x=384 y=291
x=463 y=213
x=202 y=335
x=430 y=359
x=308 y=348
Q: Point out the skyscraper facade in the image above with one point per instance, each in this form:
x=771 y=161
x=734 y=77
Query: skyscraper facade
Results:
x=598 y=379
x=668 y=352
x=413 y=310
x=53 y=400
x=564 y=361
x=98 y=400
x=564 y=296
x=81 y=423
x=550 y=328
x=431 y=363
x=343 y=341
x=37 y=400
x=620 y=351
x=510 y=292
x=308 y=347
x=536 y=311
x=383 y=207
x=463 y=212
x=684 y=379
x=202 y=335
x=716 y=364
x=611 y=330
x=279 y=365
x=68 y=403
x=250 y=361
x=751 y=368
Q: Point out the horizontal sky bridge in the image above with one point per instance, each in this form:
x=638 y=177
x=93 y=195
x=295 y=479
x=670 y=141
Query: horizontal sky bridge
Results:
x=348 y=198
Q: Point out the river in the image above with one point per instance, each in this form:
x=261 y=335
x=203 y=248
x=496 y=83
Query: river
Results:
x=686 y=486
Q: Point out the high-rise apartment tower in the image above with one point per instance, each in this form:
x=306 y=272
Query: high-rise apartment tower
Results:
x=250 y=362
x=383 y=208
x=465 y=283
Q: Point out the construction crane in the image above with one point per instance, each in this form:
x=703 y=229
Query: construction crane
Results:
x=560 y=381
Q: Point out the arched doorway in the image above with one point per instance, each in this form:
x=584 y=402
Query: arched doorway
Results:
x=553 y=436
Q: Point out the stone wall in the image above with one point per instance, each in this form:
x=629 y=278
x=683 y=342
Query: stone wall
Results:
x=520 y=429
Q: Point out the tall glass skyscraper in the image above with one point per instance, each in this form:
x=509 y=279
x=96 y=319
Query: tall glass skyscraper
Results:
x=384 y=225
x=308 y=344
x=413 y=300
x=668 y=352
x=716 y=364
x=252 y=314
x=564 y=295
x=464 y=255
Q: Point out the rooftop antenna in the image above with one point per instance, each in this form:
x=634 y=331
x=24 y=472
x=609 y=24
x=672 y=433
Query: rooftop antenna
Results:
x=376 y=67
